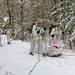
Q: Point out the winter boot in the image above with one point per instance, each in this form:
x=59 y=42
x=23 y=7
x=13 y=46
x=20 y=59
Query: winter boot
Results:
x=44 y=54
x=9 y=43
x=31 y=53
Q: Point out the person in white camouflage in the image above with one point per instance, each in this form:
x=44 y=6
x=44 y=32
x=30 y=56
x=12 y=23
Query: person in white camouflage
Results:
x=0 y=37
x=56 y=34
x=37 y=38
x=8 y=34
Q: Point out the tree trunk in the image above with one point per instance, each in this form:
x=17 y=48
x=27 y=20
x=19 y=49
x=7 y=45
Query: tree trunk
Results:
x=9 y=24
x=55 y=9
x=21 y=21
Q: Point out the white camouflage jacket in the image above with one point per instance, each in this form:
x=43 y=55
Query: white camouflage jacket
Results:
x=34 y=32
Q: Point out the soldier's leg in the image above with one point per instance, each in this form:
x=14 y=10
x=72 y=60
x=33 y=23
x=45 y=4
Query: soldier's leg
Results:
x=8 y=39
x=33 y=42
x=0 y=41
x=41 y=47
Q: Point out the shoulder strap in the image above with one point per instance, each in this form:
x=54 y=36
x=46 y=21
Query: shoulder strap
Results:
x=55 y=29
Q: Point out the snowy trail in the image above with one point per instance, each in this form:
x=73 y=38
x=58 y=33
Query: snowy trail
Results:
x=15 y=60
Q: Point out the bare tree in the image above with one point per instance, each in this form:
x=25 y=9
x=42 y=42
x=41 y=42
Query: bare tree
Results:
x=9 y=14
x=21 y=21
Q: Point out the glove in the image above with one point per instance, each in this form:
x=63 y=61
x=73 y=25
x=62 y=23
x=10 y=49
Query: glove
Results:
x=52 y=36
x=62 y=32
x=44 y=28
x=38 y=32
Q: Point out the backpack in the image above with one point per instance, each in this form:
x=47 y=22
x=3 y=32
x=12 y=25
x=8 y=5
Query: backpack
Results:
x=50 y=29
x=4 y=31
x=30 y=29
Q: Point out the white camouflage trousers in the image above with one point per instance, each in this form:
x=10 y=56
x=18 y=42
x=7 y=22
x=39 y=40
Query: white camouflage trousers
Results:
x=0 y=40
x=40 y=45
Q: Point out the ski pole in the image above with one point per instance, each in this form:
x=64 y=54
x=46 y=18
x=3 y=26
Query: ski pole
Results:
x=50 y=40
x=38 y=47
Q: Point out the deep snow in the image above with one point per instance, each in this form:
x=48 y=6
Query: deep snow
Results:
x=15 y=60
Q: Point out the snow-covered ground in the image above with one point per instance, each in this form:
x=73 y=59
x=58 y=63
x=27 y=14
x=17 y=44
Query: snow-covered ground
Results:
x=15 y=60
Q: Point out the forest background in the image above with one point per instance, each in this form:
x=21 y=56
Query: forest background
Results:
x=19 y=15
